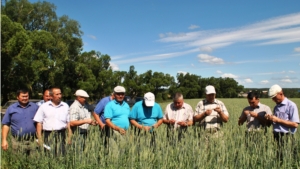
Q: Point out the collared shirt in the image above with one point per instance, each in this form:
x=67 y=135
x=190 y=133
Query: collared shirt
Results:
x=40 y=102
x=79 y=112
x=146 y=116
x=53 y=117
x=185 y=114
x=20 y=119
x=261 y=110
x=99 y=109
x=213 y=120
x=117 y=113
x=286 y=110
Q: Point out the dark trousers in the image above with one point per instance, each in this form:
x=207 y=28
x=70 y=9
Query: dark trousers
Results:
x=284 y=142
x=105 y=134
x=56 y=139
x=142 y=134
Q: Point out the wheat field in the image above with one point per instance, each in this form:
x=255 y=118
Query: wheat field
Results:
x=194 y=151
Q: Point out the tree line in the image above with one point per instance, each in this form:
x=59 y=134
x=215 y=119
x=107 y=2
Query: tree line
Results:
x=40 y=49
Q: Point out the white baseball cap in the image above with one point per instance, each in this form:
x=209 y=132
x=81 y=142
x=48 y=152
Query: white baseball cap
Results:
x=149 y=99
x=274 y=90
x=81 y=93
x=210 y=89
x=119 y=89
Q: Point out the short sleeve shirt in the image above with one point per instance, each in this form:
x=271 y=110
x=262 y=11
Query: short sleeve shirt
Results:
x=185 y=114
x=213 y=120
x=99 y=109
x=286 y=110
x=118 y=113
x=79 y=112
x=53 y=117
x=146 y=116
x=261 y=110
x=20 y=119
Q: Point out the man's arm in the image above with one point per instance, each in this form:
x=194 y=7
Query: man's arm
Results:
x=80 y=122
x=158 y=123
x=114 y=127
x=69 y=133
x=281 y=121
x=5 y=130
x=242 y=119
x=99 y=121
x=39 y=127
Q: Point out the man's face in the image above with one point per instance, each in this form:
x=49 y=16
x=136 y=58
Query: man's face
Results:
x=81 y=100
x=46 y=96
x=56 y=98
x=278 y=98
x=178 y=103
x=119 y=96
x=23 y=98
x=210 y=97
x=253 y=102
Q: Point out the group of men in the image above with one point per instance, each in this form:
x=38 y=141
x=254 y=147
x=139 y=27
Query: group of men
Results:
x=114 y=116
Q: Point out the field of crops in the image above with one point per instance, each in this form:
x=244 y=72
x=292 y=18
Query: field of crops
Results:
x=194 y=151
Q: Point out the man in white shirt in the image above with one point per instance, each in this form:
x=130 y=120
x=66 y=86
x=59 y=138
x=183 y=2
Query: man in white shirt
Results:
x=53 y=119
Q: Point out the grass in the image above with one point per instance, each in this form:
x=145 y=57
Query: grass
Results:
x=230 y=151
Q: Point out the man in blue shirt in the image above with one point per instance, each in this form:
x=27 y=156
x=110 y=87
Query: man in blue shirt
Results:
x=46 y=97
x=99 y=116
x=146 y=115
x=285 y=120
x=117 y=111
x=19 y=117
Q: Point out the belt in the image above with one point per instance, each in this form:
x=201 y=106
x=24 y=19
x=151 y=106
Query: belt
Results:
x=56 y=131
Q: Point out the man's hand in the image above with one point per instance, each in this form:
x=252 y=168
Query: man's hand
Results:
x=218 y=110
x=120 y=130
x=182 y=123
x=272 y=118
x=4 y=145
x=172 y=121
x=146 y=128
x=208 y=112
x=102 y=125
x=247 y=112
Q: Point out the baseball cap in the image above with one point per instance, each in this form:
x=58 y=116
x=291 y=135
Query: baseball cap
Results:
x=119 y=89
x=81 y=93
x=149 y=99
x=210 y=89
x=274 y=90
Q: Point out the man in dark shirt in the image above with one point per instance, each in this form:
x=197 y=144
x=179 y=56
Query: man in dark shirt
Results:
x=19 y=117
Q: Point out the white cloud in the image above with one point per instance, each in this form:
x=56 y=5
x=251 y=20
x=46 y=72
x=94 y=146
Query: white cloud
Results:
x=229 y=75
x=193 y=27
x=286 y=80
x=206 y=49
x=297 y=49
x=248 y=81
x=278 y=30
x=210 y=59
x=92 y=37
x=114 y=66
x=182 y=72
x=192 y=65
x=264 y=82
x=219 y=72
x=291 y=71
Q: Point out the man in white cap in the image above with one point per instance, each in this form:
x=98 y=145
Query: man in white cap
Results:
x=285 y=119
x=80 y=117
x=116 y=112
x=146 y=115
x=211 y=112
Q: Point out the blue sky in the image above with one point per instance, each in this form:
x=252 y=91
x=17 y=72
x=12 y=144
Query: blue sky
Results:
x=255 y=42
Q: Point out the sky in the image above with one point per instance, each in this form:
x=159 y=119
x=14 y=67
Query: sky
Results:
x=255 y=42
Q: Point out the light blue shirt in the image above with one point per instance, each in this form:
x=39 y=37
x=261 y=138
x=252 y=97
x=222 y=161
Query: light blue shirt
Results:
x=117 y=113
x=146 y=116
x=286 y=110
